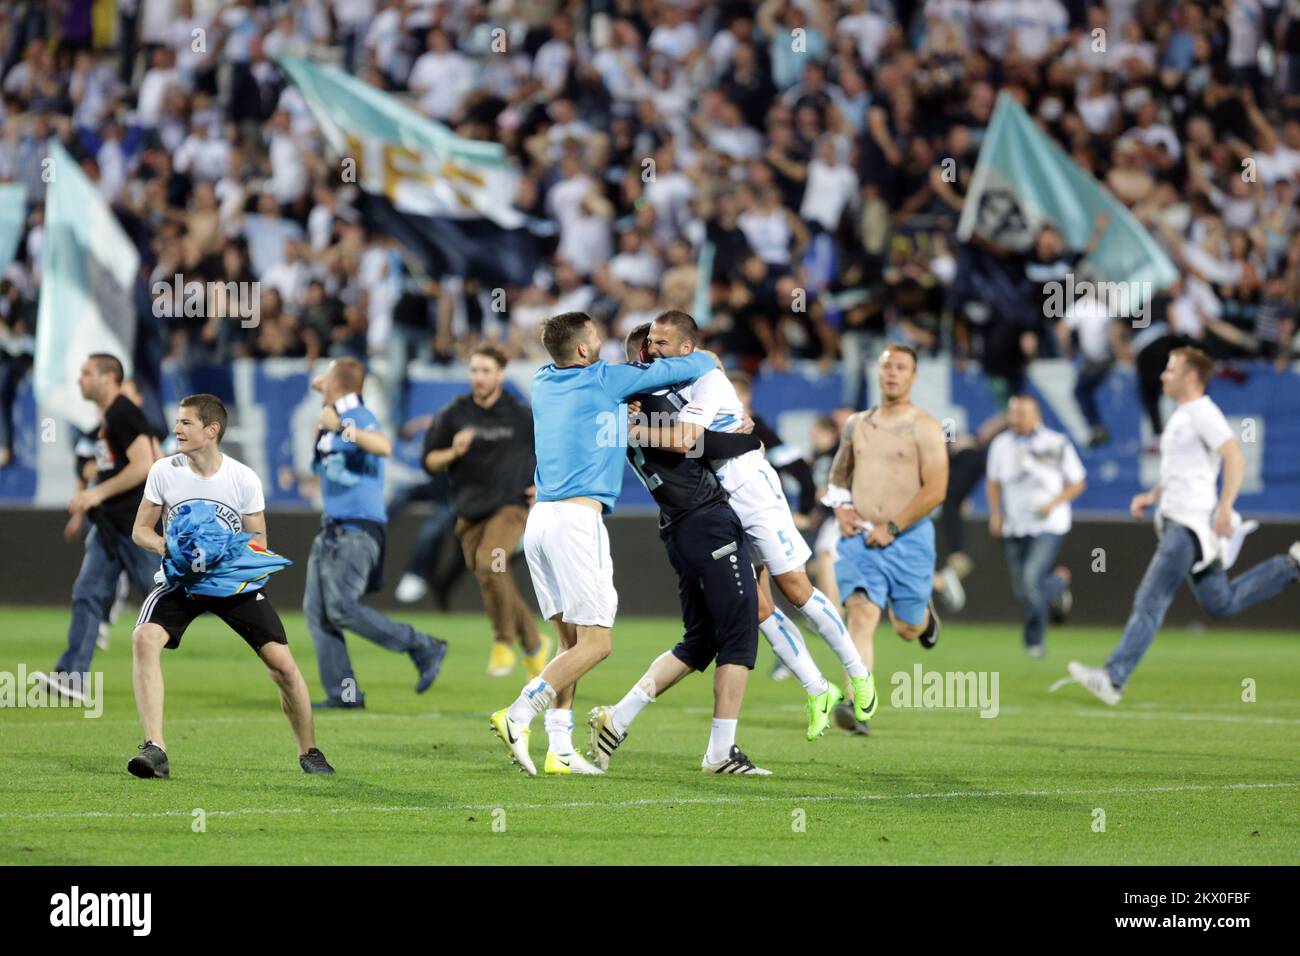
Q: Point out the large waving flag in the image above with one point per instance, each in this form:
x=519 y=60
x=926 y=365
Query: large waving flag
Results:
x=1023 y=180
x=445 y=197
x=87 y=299
x=13 y=213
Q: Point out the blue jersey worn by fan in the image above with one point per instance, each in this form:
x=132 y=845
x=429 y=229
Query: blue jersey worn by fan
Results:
x=205 y=557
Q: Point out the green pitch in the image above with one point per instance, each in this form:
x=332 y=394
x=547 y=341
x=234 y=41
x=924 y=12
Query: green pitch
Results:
x=1183 y=772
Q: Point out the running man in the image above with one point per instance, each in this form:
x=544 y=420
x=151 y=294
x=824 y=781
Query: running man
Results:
x=577 y=428
x=347 y=555
x=1033 y=475
x=754 y=491
x=891 y=471
x=715 y=579
x=484 y=441
x=202 y=473
x=1195 y=526
x=123 y=453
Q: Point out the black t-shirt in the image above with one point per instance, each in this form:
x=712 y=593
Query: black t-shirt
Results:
x=498 y=468
x=682 y=484
x=123 y=423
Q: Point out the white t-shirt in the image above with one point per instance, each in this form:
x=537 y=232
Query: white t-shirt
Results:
x=830 y=190
x=1189 y=468
x=1032 y=470
x=234 y=491
x=712 y=403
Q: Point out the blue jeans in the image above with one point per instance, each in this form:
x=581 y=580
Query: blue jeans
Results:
x=337 y=571
x=1029 y=560
x=1177 y=552
x=95 y=588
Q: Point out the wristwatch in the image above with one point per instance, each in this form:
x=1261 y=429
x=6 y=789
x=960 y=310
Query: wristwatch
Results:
x=893 y=529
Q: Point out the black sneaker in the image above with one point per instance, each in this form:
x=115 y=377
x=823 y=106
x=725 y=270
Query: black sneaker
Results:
x=930 y=636
x=333 y=703
x=150 y=763
x=313 y=761
x=845 y=720
x=428 y=662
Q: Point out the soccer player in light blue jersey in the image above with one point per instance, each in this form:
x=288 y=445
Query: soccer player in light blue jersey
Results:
x=579 y=431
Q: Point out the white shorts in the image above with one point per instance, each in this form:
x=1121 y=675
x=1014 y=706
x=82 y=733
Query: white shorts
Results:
x=765 y=515
x=568 y=559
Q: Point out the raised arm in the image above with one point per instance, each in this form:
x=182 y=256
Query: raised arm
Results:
x=623 y=380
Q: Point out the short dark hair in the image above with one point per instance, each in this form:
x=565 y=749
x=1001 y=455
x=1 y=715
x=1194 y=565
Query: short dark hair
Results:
x=682 y=322
x=348 y=372
x=488 y=350
x=1199 y=361
x=106 y=364
x=904 y=348
x=635 y=341
x=560 y=331
x=209 y=409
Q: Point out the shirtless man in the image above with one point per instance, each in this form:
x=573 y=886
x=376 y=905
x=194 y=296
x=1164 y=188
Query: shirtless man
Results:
x=891 y=471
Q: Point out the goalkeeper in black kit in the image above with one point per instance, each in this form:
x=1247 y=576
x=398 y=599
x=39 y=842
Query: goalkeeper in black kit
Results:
x=715 y=576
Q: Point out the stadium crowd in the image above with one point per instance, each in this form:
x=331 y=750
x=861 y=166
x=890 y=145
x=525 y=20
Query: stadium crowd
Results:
x=804 y=141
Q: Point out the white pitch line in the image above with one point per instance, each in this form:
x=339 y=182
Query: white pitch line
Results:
x=684 y=801
x=1156 y=715
x=1008 y=710
x=249 y=718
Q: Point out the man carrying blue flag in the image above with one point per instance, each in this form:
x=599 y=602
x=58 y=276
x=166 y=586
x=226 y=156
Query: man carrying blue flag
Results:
x=580 y=452
x=347 y=557
x=201 y=477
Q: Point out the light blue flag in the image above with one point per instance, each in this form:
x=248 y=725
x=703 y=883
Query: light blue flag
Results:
x=1023 y=181
x=86 y=304
x=395 y=151
x=13 y=213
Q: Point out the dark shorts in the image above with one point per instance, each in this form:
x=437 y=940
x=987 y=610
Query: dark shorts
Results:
x=250 y=615
x=715 y=581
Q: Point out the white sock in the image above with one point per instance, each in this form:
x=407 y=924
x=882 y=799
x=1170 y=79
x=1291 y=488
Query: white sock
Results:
x=821 y=614
x=536 y=696
x=559 y=731
x=787 y=643
x=625 y=710
x=721 y=739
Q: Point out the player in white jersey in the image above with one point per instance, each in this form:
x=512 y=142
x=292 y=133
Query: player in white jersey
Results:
x=754 y=491
x=201 y=472
x=1196 y=526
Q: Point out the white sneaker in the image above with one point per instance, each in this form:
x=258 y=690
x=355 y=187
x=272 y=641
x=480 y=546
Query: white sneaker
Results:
x=105 y=629
x=515 y=737
x=605 y=739
x=62 y=684
x=570 y=763
x=411 y=588
x=736 y=762
x=1096 y=681
x=953 y=593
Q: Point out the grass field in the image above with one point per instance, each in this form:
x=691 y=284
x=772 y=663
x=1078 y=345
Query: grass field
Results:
x=1184 y=770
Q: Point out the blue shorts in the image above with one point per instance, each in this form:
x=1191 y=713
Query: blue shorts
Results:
x=900 y=576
